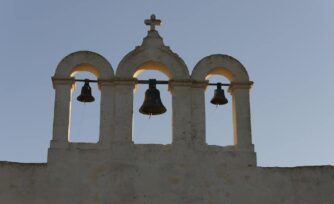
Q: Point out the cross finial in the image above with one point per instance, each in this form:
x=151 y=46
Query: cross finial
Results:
x=152 y=22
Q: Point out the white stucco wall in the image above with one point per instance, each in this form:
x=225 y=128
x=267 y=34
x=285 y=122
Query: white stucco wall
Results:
x=161 y=174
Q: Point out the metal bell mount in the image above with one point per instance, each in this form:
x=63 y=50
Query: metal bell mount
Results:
x=152 y=104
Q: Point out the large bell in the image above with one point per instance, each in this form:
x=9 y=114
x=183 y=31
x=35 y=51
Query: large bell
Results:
x=219 y=96
x=86 y=93
x=152 y=104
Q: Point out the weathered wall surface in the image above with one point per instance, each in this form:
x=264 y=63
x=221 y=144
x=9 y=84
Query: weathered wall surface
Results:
x=160 y=174
x=19 y=182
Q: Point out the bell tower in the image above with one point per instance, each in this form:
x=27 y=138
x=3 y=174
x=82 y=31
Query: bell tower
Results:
x=188 y=95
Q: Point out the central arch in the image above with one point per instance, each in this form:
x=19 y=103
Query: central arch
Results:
x=152 y=129
x=152 y=65
x=140 y=59
x=145 y=58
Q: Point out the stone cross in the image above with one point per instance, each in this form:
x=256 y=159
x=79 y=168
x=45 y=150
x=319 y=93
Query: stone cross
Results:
x=152 y=22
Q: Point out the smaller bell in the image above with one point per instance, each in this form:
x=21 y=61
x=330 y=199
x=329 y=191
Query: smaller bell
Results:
x=86 y=93
x=219 y=96
x=152 y=104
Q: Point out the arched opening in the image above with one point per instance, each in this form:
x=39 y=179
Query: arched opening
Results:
x=151 y=129
x=85 y=117
x=219 y=121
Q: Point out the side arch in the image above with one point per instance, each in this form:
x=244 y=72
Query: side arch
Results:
x=168 y=63
x=239 y=88
x=84 y=61
x=220 y=64
x=63 y=83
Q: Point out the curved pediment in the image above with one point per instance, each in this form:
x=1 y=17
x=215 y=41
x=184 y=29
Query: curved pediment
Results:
x=152 y=54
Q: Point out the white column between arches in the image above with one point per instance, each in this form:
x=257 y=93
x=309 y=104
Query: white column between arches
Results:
x=181 y=107
x=123 y=116
x=62 y=111
x=241 y=116
x=198 y=112
x=107 y=119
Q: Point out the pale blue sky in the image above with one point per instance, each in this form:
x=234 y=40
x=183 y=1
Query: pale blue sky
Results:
x=287 y=47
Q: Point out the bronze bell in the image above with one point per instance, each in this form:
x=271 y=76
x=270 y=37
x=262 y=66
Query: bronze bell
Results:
x=219 y=96
x=152 y=104
x=86 y=93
